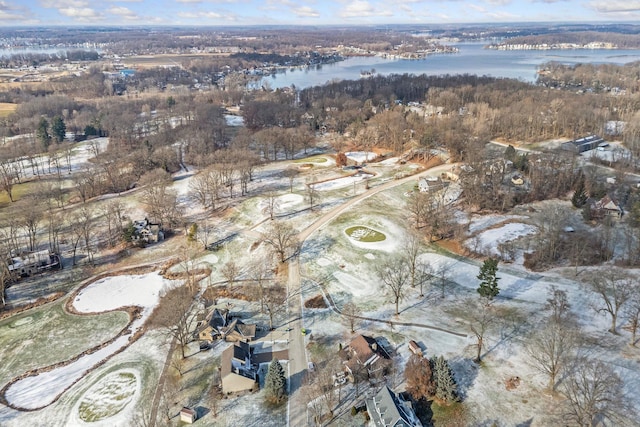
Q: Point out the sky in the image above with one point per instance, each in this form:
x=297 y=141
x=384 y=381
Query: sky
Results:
x=309 y=12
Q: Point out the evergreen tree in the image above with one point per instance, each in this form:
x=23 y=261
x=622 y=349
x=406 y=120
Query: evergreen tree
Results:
x=58 y=129
x=488 y=281
x=580 y=193
x=510 y=153
x=275 y=383
x=42 y=133
x=446 y=388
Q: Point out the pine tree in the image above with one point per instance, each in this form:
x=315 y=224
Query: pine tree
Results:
x=488 y=281
x=580 y=193
x=42 y=133
x=445 y=384
x=58 y=129
x=275 y=383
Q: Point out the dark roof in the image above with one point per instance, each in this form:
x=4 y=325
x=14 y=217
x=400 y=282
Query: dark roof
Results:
x=241 y=351
x=366 y=347
x=386 y=410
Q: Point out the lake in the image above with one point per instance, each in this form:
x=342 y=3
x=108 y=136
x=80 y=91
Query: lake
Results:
x=471 y=59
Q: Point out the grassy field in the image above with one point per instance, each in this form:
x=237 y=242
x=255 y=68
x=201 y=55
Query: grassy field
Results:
x=365 y=234
x=48 y=334
x=314 y=159
x=7 y=108
x=108 y=397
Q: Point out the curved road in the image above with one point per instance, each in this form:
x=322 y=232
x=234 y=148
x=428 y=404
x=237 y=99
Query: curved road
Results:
x=297 y=405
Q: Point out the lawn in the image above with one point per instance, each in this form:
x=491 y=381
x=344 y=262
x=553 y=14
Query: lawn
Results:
x=365 y=234
x=48 y=334
x=7 y=108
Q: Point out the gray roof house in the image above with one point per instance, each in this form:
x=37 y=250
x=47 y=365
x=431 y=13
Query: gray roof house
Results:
x=386 y=409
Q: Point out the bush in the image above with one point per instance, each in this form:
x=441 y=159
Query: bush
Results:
x=354 y=411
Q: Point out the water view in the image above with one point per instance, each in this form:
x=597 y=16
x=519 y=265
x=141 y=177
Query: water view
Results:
x=473 y=58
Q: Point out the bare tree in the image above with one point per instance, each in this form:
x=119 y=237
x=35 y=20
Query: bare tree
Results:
x=594 y=394
x=260 y=271
x=632 y=311
x=558 y=304
x=174 y=315
x=324 y=384
x=352 y=314
x=442 y=273
x=215 y=394
x=271 y=204
x=5 y=277
x=114 y=215
x=311 y=194
x=615 y=288
x=551 y=348
x=419 y=377
x=30 y=215
x=291 y=174
x=481 y=318
x=282 y=238
x=274 y=301
x=161 y=201
x=231 y=271
x=395 y=276
x=411 y=248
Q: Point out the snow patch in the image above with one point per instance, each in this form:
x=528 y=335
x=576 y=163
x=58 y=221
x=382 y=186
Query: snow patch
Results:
x=323 y=262
x=361 y=156
x=490 y=239
x=353 y=285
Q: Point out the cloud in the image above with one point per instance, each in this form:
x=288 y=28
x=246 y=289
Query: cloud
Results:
x=123 y=12
x=77 y=9
x=616 y=6
x=189 y=1
x=306 y=11
x=362 y=9
x=500 y=2
x=207 y=15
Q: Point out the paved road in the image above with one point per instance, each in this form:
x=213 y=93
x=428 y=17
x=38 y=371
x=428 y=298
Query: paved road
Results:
x=297 y=354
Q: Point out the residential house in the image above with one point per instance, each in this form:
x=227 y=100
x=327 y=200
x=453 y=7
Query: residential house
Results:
x=219 y=324
x=147 y=232
x=237 y=331
x=430 y=184
x=607 y=206
x=386 y=409
x=236 y=370
x=366 y=352
x=209 y=330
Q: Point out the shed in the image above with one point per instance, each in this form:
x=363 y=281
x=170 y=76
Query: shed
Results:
x=188 y=415
x=415 y=348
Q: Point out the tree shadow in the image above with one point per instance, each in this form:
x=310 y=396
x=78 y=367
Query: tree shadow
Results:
x=465 y=372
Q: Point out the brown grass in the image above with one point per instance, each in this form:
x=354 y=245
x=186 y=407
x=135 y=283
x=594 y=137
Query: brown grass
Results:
x=7 y=108
x=315 y=302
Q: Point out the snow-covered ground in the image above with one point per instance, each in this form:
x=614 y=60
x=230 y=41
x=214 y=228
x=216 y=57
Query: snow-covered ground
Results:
x=342 y=182
x=111 y=293
x=361 y=156
x=487 y=241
